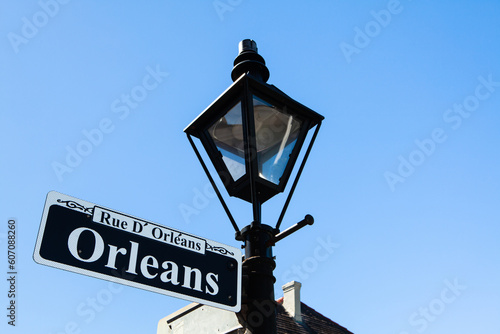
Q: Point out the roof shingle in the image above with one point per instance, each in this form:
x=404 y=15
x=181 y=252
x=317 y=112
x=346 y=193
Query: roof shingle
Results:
x=312 y=322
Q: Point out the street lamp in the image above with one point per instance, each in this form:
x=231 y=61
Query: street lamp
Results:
x=253 y=134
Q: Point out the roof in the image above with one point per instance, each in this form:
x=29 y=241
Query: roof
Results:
x=199 y=318
x=312 y=322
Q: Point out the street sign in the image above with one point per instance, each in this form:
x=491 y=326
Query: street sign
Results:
x=88 y=239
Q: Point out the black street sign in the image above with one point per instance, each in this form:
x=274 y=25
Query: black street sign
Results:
x=85 y=238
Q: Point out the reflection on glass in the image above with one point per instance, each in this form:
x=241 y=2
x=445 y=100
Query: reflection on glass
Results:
x=227 y=134
x=276 y=134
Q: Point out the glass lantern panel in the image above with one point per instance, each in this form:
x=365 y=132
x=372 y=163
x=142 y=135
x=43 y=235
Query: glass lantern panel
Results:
x=227 y=134
x=276 y=133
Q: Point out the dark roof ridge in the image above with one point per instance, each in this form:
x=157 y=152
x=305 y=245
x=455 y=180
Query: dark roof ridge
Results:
x=308 y=312
x=312 y=321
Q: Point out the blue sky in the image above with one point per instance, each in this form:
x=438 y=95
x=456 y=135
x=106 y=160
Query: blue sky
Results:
x=403 y=180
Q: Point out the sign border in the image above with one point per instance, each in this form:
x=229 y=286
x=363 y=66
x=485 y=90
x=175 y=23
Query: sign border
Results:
x=56 y=198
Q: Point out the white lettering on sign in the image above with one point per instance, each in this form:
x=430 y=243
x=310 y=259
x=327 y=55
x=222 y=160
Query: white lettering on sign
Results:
x=149 y=266
x=73 y=245
x=149 y=230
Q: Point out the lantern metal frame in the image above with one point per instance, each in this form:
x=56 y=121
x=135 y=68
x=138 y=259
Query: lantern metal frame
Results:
x=251 y=187
x=250 y=75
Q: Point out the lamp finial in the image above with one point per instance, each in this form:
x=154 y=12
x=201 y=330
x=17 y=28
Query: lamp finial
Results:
x=249 y=61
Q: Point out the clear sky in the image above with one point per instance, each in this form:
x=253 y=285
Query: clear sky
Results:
x=403 y=181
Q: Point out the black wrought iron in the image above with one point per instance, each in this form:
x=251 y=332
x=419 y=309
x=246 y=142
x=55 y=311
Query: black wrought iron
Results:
x=219 y=196
x=226 y=138
x=299 y=172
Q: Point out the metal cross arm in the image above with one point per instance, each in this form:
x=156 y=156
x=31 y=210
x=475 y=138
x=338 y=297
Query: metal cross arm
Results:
x=308 y=220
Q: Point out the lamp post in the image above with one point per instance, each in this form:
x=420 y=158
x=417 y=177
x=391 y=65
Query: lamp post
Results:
x=253 y=134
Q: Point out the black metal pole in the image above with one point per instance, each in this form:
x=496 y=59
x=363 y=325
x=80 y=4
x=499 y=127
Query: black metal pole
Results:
x=258 y=304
